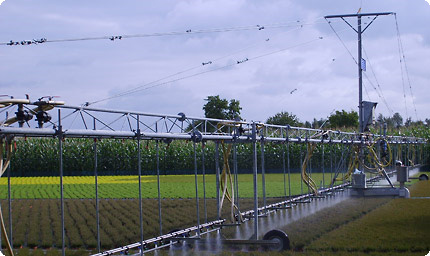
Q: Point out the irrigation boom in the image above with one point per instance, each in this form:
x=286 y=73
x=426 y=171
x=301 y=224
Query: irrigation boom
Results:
x=119 y=124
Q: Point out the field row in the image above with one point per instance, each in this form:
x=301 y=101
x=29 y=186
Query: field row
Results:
x=171 y=186
x=37 y=223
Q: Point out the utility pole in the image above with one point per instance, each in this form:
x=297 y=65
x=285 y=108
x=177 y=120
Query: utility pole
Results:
x=360 y=61
x=360 y=179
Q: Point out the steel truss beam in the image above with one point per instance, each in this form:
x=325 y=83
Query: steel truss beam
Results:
x=120 y=124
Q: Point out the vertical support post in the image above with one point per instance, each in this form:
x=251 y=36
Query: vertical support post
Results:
x=331 y=165
x=322 y=164
x=9 y=198
x=197 y=190
x=139 y=172
x=235 y=172
x=96 y=190
x=160 y=220
x=284 y=170
x=288 y=163
x=308 y=167
x=344 y=146
x=204 y=182
x=217 y=173
x=255 y=172
x=360 y=76
x=263 y=173
x=300 y=168
x=60 y=145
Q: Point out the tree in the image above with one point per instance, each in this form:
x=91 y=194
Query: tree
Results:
x=344 y=119
x=408 y=122
x=385 y=120
x=284 y=118
x=380 y=119
x=215 y=107
x=398 y=119
x=221 y=108
x=234 y=110
x=316 y=124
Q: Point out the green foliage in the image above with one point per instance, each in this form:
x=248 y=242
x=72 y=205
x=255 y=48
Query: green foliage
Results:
x=39 y=157
x=222 y=108
x=36 y=221
x=397 y=119
x=305 y=230
x=343 y=119
x=284 y=118
x=398 y=226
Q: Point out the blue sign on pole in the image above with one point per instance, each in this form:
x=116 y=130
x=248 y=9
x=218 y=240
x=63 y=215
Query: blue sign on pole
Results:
x=363 y=64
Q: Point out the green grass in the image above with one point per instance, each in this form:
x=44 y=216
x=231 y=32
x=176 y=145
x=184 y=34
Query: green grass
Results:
x=402 y=225
x=172 y=186
x=305 y=230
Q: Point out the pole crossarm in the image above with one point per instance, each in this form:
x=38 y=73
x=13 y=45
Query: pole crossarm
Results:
x=358 y=15
x=116 y=124
x=359 y=31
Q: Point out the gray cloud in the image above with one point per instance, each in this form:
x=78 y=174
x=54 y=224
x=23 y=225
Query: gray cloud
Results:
x=322 y=71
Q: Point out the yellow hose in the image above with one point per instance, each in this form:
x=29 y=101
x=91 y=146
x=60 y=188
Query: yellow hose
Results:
x=305 y=177
x=226 y=181
x=352 y=165
x=411 y=161
x=375 y=160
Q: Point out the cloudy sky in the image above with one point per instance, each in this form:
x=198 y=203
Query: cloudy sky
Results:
x=270 y=55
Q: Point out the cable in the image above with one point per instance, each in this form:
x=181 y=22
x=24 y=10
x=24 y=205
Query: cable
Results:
x=140 y=88
x=158 y=34
x=148 y=85
x=136 y=89
x=305 y=176
x=340 y=39
x=402 y=55
x=380 y=93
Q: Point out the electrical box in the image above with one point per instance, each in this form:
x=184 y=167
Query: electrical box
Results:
x=358 y=180
x=402 y=173
x=368 y=113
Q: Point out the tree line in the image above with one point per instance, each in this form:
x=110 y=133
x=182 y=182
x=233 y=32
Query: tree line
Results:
x=220 y=108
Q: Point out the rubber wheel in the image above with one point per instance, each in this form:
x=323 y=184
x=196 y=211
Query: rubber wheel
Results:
x=281 y=237
x=423 y=177
x=180 y=244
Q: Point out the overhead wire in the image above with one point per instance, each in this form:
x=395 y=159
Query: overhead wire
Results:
x=403 y=79
x=402 y=57
x=158 y=34
x=207 y=71
x=343 y=43
x=159 y=83
x=380 y=92
x=297 y=24
x=349 y=52
x=208 y=62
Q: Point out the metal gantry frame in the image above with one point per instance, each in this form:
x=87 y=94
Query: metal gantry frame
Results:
x=74 y=122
